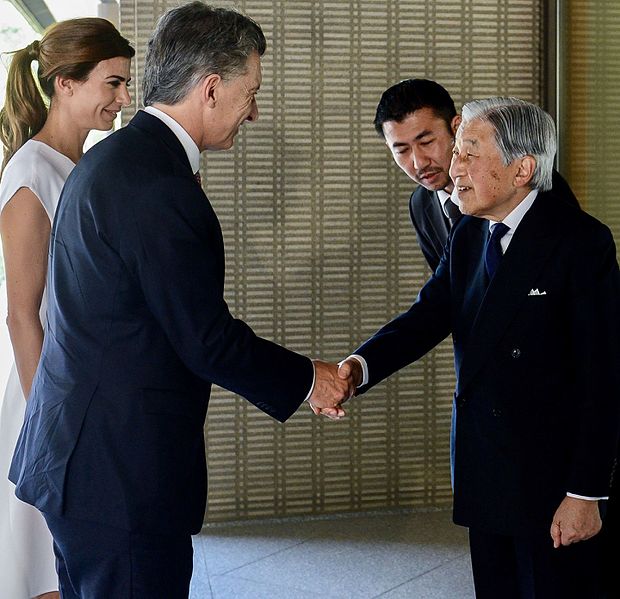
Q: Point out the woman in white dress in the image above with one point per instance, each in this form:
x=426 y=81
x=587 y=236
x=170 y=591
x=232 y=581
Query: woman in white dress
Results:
x=83 y=69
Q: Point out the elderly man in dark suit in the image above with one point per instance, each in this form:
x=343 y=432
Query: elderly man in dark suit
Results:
x=529 y=288
x=418 y=120
x=112 y=449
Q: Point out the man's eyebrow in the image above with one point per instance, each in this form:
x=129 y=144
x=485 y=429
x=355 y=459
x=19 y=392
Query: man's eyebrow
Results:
x=418 y=137
x=473 y=142
x=422 y=134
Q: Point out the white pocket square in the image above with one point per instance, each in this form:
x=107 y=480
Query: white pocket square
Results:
x=537 y=292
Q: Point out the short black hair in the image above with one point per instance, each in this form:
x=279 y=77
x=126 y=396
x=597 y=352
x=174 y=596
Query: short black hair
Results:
x=404 y=98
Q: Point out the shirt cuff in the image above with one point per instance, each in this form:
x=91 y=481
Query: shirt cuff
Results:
x=575 y=496
x=313 y=381
x=364 y=366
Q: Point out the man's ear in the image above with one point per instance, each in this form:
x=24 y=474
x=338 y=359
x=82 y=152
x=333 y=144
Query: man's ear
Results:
x=525 y=172
x=64 y=86
x=210 y=87
x=456 y=121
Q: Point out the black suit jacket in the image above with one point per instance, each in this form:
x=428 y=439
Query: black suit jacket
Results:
x=536 y=356
x=137 y=331
x=432 y=227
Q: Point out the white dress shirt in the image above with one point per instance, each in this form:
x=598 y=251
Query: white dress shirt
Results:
x=513 y=220
x=444 y=196
x=189 y=145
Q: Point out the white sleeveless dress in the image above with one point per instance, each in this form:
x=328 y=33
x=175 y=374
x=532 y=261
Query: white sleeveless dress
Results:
x=27 y=565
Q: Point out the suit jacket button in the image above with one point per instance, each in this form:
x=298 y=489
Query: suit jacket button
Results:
x=515 y=353
x=496 y=412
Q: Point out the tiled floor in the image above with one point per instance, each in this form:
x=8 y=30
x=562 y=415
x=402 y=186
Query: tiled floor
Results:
x=392 y=556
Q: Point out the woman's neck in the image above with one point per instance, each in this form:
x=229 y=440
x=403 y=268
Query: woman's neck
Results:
x=60 y=133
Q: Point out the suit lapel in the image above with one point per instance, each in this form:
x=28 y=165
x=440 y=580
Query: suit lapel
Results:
x=475 y=285
x=527 y=255
x=436 y=220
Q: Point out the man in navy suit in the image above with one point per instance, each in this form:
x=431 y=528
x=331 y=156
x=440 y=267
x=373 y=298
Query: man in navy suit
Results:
x=418 y=120
x=529 y=288
x=112 y=449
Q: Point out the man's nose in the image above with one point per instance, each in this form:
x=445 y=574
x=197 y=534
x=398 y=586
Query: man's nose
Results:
x=253 y=116
x=456 y=167
x=420 y=159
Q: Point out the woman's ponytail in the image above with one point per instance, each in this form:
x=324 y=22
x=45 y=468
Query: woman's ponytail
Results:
x=24 y=111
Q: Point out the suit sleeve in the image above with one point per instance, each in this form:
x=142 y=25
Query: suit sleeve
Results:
x=414 y=332
x=595 y=314
x=175 y=251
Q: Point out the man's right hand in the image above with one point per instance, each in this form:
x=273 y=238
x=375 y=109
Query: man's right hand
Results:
x=340 y=381
x=331 y=389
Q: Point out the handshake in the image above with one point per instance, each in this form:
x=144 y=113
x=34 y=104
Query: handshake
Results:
x=333 y=385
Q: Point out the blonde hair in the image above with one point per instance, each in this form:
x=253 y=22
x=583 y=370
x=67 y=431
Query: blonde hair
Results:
x=71 y=49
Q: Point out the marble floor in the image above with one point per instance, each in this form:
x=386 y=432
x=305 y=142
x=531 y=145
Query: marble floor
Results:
x=388 y=555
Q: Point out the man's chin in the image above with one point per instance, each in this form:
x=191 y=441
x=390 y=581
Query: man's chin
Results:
x=220 y=147
x=466 y=208
x=433 y=184
x=473 y=211
x=229 y=143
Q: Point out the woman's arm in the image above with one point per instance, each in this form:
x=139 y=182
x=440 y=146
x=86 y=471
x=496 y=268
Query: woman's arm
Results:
x=25 y=231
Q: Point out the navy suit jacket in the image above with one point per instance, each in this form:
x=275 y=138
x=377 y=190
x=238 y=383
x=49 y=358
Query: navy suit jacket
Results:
x=538 y=384
x=137 y=331
x=432 y=227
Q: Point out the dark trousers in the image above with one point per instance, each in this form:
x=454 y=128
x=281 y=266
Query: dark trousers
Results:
x=611 y=541
x=95 y=561
x=510 y=567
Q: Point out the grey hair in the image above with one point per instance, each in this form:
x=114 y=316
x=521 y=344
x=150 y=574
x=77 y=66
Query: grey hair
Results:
x=193 y=41
x=521 y=129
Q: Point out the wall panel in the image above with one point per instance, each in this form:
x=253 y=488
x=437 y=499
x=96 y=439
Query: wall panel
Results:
x=590 y=92
x=320 y=250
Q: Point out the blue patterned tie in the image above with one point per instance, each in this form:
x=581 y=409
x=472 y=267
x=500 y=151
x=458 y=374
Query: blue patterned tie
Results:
x=493 y=251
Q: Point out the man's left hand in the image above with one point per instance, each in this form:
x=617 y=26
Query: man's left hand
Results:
x=575 y=520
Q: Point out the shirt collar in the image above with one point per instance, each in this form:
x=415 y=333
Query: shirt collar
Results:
x=190 y=147
x=516 y=216
x=443 y=196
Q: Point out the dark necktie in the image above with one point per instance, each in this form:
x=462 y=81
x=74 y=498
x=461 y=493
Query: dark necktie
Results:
x=452 y=210
x=198 y=178
x=493 y=251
